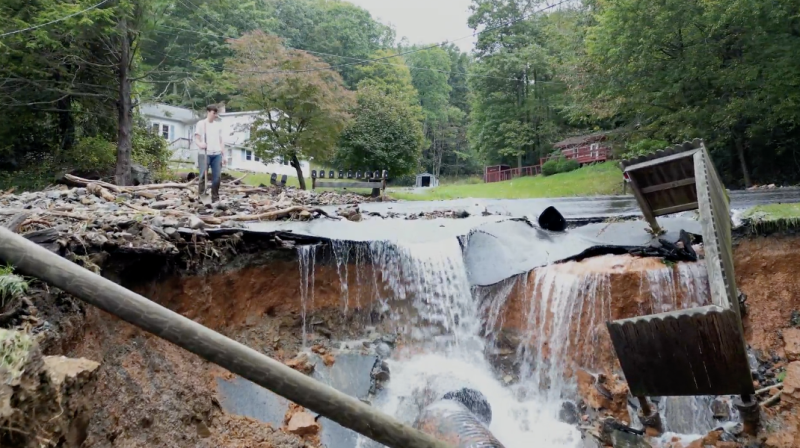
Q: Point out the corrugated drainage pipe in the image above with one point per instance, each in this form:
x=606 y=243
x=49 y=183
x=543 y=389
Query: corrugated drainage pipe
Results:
x=460 y=419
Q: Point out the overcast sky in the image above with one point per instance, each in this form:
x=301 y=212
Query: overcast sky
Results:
x=424 y=21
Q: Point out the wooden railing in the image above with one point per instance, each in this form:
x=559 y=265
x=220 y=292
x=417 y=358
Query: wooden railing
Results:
x=583 y=154
x=512 y=173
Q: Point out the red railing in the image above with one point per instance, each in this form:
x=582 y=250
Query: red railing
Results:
x=583 y=154
x=499 y=176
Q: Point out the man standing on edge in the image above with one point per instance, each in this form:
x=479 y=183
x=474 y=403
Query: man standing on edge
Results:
x=208 y=136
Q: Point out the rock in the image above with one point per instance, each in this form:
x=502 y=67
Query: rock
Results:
x=720 y=409
x=791 y=343
x=140 y=175
x=53 y=195
x=161 y=205
x=302 y=424
x=383 y=350
x=196 y=223
x=791 y=385
x=301 y=364
x=508 y=379
x=601 y=392
x=150 y=235
x=622 y=439
x=569 y=413
x=80 y=191
x=328 y=359
x=795 y=319
x=381 y=371
x=202 y=430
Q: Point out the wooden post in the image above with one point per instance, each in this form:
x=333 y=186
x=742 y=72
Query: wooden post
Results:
x=646 y=211
x=32 y=260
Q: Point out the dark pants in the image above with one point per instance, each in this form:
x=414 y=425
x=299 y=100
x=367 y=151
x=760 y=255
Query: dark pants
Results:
x=215 y=160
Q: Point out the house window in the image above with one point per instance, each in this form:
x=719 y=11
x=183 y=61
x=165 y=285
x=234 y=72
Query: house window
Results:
x=248 y=155
x=155 y=128
x=258 y=159
x=594 y=149
x=165 y=131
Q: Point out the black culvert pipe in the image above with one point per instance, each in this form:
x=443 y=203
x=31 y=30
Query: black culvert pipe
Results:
x=461 y=419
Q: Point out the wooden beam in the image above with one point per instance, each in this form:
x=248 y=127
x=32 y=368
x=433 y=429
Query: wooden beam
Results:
x=321 y=184
x=659 y=161
x=676 y=209
x=345 y=410
x=668 y=185
x=644 y=205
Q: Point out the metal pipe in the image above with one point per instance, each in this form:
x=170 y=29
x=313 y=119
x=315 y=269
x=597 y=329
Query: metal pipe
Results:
x=35 y=261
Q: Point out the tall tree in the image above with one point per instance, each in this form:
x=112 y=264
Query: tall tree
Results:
x=513 y=115
x=303 y=103
x=385 y=134
x=336 y=31
x=391 y=76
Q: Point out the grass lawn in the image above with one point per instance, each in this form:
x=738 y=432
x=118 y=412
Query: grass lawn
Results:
x=774 y=216
x=593 y=180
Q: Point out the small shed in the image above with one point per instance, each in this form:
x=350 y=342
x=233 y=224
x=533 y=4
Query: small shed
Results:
x=426 y=180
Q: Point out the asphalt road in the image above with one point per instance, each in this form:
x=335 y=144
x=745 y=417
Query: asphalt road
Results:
x=571 y=208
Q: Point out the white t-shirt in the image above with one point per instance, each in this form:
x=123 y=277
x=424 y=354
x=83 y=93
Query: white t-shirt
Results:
x=211 y=133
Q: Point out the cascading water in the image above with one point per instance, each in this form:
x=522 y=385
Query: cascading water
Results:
x=424 y=289
x=432 y=279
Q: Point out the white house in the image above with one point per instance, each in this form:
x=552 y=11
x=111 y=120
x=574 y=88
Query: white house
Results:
x=177 y=125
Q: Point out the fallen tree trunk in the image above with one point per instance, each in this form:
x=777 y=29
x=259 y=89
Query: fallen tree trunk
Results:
x=349 y=412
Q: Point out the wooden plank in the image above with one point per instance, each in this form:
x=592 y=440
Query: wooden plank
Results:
x=250 y=364
x=319 y=184
x=666 y=159
x=644 y=205
x=687 y=352
x=675 y=209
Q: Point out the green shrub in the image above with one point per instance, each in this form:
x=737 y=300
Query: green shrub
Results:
x=551 y=167
x=92 y=154
x=567 y=165
x=151 y=151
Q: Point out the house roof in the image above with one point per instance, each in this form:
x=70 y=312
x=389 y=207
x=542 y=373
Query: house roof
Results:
x=159 y=110
x=425 y=174
x=581 y=139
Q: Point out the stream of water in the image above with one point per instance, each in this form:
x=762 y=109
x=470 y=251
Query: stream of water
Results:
x=425 y=288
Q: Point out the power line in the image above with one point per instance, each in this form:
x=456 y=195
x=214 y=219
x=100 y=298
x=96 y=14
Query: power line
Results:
x=55 y=21
x=358 y=60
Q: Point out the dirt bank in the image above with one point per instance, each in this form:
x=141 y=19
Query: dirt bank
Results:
x=767 y=271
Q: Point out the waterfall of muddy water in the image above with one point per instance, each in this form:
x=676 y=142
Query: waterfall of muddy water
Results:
x=565 y=307
x=307 y=259
x=445 y=350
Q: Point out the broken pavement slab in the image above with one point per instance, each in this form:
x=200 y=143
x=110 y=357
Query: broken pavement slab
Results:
x=351 y=373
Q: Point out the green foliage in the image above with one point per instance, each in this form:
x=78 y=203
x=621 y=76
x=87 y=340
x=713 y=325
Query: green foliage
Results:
x=550 y=167
x=515 y=94
x=92 y=154
x=14 y=350
x=312 y=100
x=384 y=134
x=567 y=165
x=150 y=150
x=723 y=71
x=643 y=147
x=559 y=165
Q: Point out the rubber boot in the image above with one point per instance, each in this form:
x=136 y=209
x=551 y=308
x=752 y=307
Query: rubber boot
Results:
x=215 y=192
x=201 y=186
